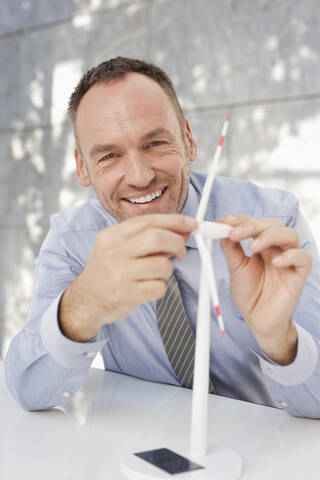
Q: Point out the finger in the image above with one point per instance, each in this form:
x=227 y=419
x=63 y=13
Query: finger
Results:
x=245 y=226
x=157 y=241
x=233 y=253
x=149 y=290
x=173 y=222
x=155 y=267
x=293 y=258
x=280 y=236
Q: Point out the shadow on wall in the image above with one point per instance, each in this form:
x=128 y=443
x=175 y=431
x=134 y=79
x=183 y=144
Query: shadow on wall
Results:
x=258 y=59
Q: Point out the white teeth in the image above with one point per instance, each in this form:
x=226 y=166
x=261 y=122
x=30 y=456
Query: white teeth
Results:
x=146 y=199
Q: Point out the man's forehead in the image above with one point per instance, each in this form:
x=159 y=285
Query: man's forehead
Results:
x=128 y=89
x=132 y=100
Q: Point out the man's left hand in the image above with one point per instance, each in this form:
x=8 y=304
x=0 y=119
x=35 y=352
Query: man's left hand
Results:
x=266 y=286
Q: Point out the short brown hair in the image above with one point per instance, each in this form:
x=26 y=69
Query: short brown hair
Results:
x=119 y=67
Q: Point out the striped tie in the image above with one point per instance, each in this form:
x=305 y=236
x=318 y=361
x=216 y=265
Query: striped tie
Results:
x=177 y=335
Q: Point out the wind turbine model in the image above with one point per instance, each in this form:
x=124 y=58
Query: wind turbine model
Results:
x=220 y=464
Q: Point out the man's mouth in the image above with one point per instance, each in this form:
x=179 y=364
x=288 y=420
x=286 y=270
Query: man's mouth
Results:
x=148 y=198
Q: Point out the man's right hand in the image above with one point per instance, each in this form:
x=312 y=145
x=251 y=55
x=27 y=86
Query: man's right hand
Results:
x=128 y=266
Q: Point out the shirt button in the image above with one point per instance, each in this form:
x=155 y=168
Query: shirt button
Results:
x=283 y=404
x=91 y=354
x=66 y=394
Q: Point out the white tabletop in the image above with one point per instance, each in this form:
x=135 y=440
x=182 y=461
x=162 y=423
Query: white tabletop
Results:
x=114 y=414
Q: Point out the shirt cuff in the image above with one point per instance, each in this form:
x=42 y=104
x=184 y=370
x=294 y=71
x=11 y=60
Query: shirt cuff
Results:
x=303 y=366
x=66 y=352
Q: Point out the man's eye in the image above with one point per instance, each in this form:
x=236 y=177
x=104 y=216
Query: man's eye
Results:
x=108 y=157
x=155 y=143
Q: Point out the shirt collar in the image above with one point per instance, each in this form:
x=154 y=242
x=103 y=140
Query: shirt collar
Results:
x=190 y=208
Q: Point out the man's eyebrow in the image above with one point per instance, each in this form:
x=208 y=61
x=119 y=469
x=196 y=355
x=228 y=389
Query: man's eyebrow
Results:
x=155 y=133
x=98 y=149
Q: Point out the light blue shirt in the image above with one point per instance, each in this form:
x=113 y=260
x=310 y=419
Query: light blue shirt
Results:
x=44 y=368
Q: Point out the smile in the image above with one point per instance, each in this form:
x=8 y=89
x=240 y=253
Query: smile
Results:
x=147 y=198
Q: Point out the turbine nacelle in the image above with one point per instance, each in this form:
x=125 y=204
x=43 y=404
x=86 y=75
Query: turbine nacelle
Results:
x=213 y=230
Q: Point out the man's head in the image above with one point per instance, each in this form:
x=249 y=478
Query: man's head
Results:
x=133 y=144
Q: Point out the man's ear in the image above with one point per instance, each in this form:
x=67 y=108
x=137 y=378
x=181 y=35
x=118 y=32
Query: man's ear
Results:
x=82 y=173
x=191 y=143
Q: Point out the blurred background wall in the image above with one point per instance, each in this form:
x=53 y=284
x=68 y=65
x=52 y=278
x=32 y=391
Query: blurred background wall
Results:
x=259 y=59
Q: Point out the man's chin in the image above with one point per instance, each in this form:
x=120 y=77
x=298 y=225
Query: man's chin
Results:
x=142 y=209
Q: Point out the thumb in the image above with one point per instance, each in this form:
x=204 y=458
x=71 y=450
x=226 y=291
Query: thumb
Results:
x=233 y=253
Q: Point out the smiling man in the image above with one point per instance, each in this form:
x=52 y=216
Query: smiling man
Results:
x=105 y=266
x=134 y=152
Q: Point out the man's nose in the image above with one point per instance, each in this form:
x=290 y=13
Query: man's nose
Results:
x=138 y=171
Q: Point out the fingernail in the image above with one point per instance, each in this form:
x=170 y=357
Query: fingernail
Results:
x=255 y=244
x=237 y=231
x=191 y=222
x=277 y=260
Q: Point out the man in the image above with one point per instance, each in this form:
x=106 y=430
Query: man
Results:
x=104 y=265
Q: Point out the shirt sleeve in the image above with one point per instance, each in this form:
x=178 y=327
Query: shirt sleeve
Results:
x=66 y=352
x=44 y=368
x=296 y=387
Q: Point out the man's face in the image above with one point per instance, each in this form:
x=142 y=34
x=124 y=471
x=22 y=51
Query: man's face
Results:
x=131 y=148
